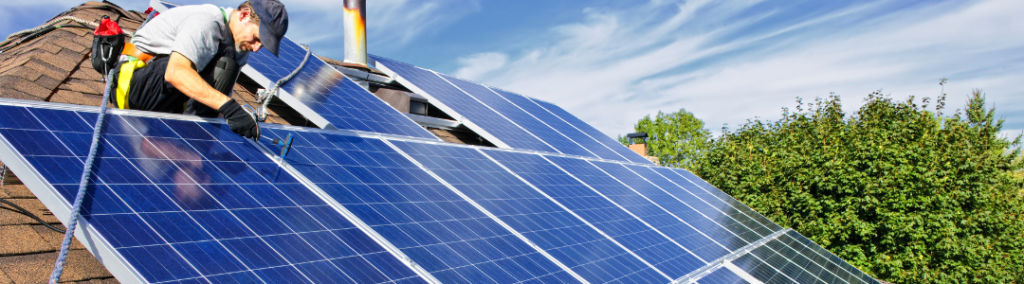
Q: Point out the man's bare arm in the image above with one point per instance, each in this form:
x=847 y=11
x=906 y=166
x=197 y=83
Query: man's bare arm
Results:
x=181 y=73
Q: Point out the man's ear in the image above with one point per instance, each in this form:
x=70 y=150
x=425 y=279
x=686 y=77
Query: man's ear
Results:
x=244 y=14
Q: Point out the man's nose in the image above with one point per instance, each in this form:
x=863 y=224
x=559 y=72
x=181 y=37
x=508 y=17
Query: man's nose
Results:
x=256 y=46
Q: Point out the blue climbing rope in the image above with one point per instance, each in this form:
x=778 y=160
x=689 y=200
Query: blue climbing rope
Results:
x=58 y=267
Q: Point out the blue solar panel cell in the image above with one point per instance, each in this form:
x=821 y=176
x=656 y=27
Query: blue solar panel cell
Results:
x=433 y=225
x=584 y=140
x=526 y=121
x=592 y=132
x=564 y=236
x=325 y=91
x=448 y=95
x=190 y=209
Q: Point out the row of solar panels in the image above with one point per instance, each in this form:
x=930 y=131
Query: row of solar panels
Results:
x=506 y=119
x=176 y=199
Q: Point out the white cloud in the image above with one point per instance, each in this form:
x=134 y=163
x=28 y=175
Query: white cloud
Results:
x=632 y=64
x=390 y=24
x=477 y=65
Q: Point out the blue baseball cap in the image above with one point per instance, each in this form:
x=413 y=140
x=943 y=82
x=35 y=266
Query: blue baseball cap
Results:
x=273 y=22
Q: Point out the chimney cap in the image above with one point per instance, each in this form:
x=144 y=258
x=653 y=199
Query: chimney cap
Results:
x=637 y=135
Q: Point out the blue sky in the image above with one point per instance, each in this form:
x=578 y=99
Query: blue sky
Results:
x=612 y=62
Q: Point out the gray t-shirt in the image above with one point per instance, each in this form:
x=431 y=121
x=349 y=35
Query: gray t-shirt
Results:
x=194 y=31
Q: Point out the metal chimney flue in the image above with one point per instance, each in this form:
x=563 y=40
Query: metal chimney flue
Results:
x=355 y=32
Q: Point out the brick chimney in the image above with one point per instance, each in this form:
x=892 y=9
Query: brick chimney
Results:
x=638 y=147
x=638 y=143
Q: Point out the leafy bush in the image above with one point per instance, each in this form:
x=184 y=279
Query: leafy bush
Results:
x=901 y=192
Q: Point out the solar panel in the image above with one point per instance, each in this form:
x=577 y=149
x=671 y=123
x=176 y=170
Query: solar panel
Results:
x=646 y=241
x=519 y=117
x=515 y=121
x=707 y=192
x=702 y=242
x=719 y=227
x=452 y=100
x=548 y=224
x=178 y=199
x=786 y=259
x=431 y=224
x=701 y=200
x=825 y=259
x=592 y=132
x=327 y=98
x=188 y=200
x=584 y=140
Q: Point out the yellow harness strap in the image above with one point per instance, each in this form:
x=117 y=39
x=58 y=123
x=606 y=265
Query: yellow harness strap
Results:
x=124 y=78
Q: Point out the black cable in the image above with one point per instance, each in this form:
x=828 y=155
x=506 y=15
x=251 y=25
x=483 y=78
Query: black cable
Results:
x=25 y=212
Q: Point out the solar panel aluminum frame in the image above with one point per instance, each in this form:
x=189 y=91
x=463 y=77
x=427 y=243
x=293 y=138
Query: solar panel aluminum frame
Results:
x=95 y=243
x=742 y=274
x=445 y=108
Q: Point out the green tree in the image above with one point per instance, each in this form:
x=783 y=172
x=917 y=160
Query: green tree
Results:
x=678 y=139
x=901 y=192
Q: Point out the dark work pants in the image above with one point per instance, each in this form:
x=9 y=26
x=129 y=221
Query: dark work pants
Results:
x=150 y=91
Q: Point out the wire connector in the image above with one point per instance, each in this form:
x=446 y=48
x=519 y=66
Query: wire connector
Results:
x=263 y=96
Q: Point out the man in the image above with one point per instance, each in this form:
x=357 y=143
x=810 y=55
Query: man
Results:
x=180 y=55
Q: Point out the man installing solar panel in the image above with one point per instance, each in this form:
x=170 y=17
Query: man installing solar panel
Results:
x=186 y=60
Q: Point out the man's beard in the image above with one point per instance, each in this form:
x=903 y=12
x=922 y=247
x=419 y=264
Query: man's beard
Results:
x=238 y=48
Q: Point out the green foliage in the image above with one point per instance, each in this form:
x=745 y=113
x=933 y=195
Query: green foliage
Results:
x=678 y=139
x=905 y=194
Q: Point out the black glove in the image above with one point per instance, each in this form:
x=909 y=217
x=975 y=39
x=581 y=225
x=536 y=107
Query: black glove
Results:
x=240 y=121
